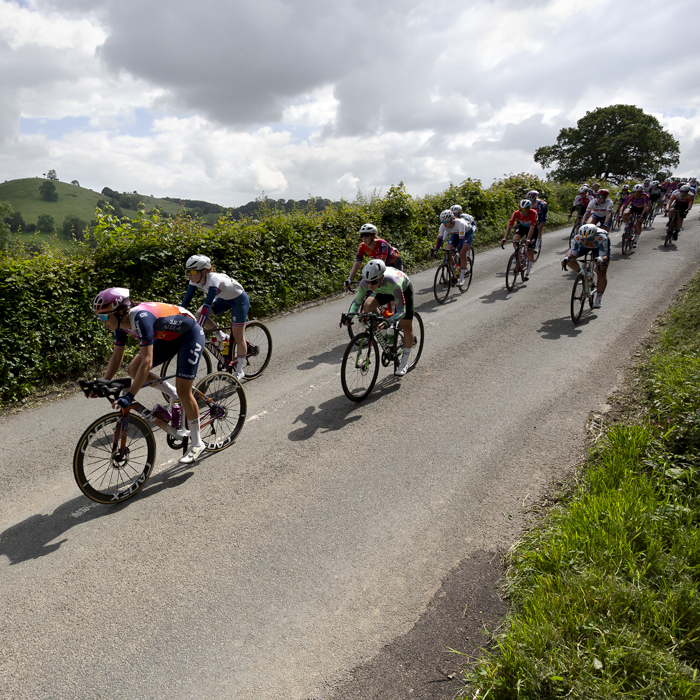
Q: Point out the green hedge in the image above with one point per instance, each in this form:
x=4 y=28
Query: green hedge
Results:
x=47 y=330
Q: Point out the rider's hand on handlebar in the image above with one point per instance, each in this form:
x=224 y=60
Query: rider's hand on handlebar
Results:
x=124 y=401
x=346 y=284
x=433 y=253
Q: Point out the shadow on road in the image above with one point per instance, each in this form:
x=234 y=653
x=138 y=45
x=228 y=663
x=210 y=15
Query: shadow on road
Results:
x=330 y=357
x=500 y=294
x=556 y=328
x=35 y=537
x=337 y=413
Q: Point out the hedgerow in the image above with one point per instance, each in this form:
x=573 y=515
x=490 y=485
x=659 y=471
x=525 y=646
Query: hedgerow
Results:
x=47 y=330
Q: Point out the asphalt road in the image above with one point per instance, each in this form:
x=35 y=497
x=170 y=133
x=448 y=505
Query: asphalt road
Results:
x=275 y=568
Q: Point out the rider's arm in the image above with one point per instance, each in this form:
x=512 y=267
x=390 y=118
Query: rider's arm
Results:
x=362 y=292
x=189 y=295
x=355 y=267
x=508 y=230
x=206 y=307
x=146 y=352
x=115 y=362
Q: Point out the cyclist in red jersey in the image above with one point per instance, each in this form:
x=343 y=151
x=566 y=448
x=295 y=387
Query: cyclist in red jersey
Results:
x=525 y=221
x=375 y=248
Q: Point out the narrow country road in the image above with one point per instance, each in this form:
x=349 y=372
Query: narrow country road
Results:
x=277 y=567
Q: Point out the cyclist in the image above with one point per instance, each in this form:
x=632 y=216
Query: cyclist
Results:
x=375 y=248
x=542 y=212
x=460 y=238
x=471 y=223
x=590 y=237
x=222 y=293
x=379 y=285
x=581 y=201
x=600 y=210
x=163 y=331
x=646 y=185
x=620 y=199
x=655 y=194
x=636 y=203
x=682 y=202
x=525 y=221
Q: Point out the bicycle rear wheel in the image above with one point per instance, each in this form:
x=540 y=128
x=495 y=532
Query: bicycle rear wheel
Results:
x=578 y=298
x=204 y=368
x=259 y=341
x=574 y=229
x=360 y=367
x=222 y=410
x=471 y=254
x=112 y=463
x=441 y=283
x=512 y=271
x=467 y=276
x=418 y=330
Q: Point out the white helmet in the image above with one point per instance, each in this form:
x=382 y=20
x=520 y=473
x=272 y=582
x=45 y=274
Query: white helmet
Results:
x=583 y=189
x=655 y=183
x=533 y=194
x=446 y=216
x=368 y=228
x=525 y=204
x=685 y=188
x=198 y=262
x=373 y=271
x=456 y=209
x=637 y=188
x=588 y=231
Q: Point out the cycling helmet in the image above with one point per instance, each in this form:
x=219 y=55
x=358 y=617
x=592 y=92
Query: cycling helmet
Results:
x=373 y=271
x=368 y=229
x=637 y=188
x=685 y=188
x=595 y=184
x=198 y=262
x=655 y=183
x=447 y=216
x=533 y=194
x=110 y=300
x=583 y=189
x=625 y=187
x=456 y=209
x=525 y=204
x=588 y=231
x=604 y=193
x=647 y=180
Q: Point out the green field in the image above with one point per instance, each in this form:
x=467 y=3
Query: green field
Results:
x=73 y=200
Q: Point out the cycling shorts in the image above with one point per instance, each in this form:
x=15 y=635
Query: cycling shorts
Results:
x=188 y=348
x=654 y=197
x=681 y=208
x=522 y=231
x=457 y=242
x=239 y=308
x=597 y=219
x=408 y=301
x=397 y=264
x=636 y=210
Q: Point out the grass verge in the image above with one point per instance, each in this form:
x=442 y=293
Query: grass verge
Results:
x=605 y=592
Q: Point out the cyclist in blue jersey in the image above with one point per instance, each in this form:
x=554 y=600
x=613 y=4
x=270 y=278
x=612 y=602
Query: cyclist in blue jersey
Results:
x=542 y=209
x=590 y=237
x=163 y=331
x=379 y=285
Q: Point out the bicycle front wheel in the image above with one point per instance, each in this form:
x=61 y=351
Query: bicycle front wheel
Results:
x=169 y=367
x=360 y=367
x=574 y=229
x=222 y=410
x=441 y=284
x=578 y=298
x=259 y=341
x=669 y=235
x=627 y=237
x=512 y=271
x=418 y=329
x=112 y=463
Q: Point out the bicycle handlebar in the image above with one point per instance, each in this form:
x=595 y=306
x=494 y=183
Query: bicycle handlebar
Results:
x=110 y=389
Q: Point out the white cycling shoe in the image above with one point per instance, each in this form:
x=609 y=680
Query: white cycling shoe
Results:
x=239 y=374
x=192 y=455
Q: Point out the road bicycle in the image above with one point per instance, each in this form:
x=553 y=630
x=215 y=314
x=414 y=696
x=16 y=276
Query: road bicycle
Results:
x=575 y=228
x=673 y=228
x=448 y=272
x=585 y=286
x=617 y=220
x=352 y=328
x=360 y=366
x=115 y=455
x=628 y=235
x=259 y=342
x=517 y=264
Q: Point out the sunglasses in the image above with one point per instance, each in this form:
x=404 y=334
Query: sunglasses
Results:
x=103 y=317
x=373 y=284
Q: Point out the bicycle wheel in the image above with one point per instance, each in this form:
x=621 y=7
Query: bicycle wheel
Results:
x=441 y=283
x=259 y=341
x=417 y=342
x=470 y=255
x=204 y=368
x=467 y=276
x=360 y=367
x=111 y=463
x=578 y=298
x=512 y=271
x=627 y=238
x=669 y=235
x=574 y=229
x=222 y=410
x=592 y=290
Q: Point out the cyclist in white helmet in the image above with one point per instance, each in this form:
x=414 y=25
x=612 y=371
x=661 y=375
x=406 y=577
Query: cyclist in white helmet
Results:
x=590 y=237
x=456 y=231
x=222 y=293
x=375 y=248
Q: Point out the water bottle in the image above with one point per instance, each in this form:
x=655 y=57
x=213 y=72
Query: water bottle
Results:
x=176 y=415
x=390 y=335
x=224 y=347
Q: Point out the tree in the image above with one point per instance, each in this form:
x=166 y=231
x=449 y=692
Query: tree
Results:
x=45 y=223
x=74 y=226
x=15 y=221
x=75 y=182
x=5 y=235
x=48 y=191
x=614 y=143
x=51 y=175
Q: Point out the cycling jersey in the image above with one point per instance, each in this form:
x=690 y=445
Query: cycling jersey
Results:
x=542 y=210
x=600 y=244
x=655 y=193
x=382 y=251
x=621 y=197
x=223 y=292
x=600 y=209
x=459 y=226
x=682 y=196
x=581 y=201
x=395 y=284
x=471 y=221
x=637 y=199
x=152 y=321
x=523 y=220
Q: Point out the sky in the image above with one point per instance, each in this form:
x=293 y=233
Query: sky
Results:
x=224 y=100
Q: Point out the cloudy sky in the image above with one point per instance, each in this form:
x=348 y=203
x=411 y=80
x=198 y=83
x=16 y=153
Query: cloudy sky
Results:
x=223 y=99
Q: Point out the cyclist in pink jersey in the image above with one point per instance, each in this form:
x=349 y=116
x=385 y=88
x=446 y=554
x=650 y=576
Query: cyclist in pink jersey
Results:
x=636 y=203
